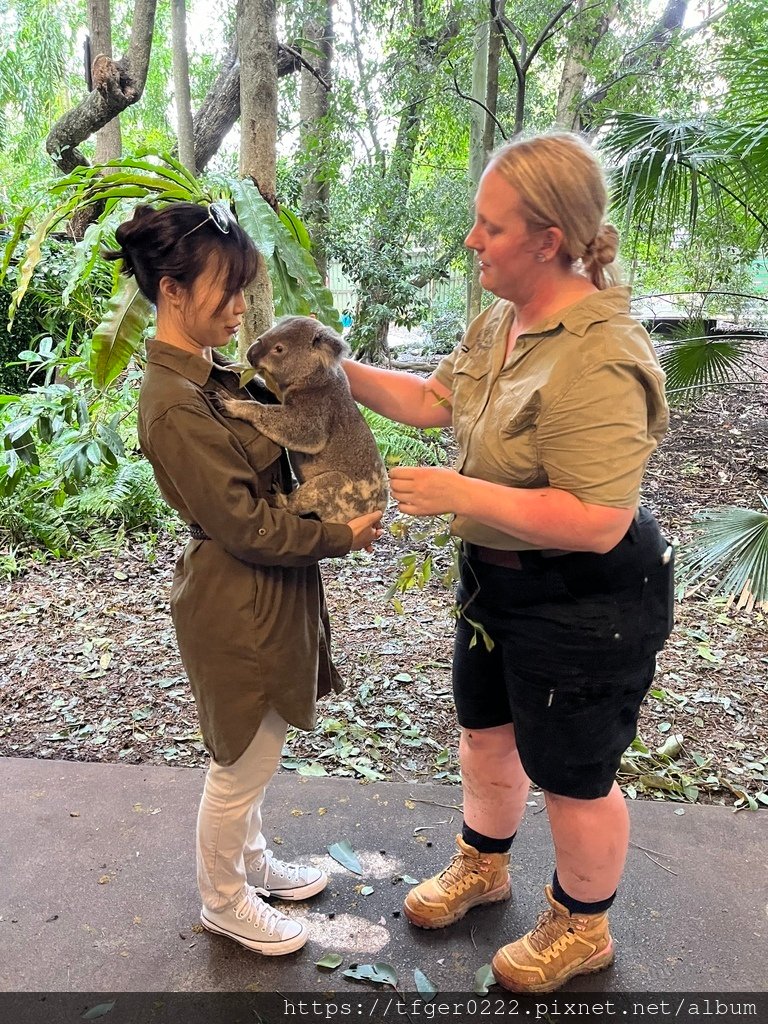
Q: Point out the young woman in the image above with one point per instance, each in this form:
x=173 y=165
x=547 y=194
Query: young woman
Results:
x=557 y=401
x=247 y=599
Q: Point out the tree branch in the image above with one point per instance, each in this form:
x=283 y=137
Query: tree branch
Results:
x=305 y=64
x=479 y=103
x=548 y=32
x=117 y=85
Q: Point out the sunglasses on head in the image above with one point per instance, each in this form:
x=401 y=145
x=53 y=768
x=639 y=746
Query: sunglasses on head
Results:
x=220 y=216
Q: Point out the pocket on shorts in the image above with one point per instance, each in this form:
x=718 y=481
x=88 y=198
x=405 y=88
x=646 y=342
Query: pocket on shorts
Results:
x=657 y=612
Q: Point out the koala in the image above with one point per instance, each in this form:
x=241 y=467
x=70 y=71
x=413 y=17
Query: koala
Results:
x=332 y=450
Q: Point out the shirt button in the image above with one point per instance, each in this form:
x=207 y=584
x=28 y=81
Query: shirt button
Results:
x=262 y=531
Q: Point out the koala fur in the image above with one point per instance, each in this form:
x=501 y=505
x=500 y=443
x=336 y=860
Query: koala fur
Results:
x=332 y=450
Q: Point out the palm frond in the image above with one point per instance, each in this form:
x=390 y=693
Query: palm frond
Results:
x=731 y=544
x=695 y=361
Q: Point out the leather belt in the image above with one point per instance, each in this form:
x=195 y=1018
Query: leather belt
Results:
x=494 y=556
x=197 y=532
x=510 y=559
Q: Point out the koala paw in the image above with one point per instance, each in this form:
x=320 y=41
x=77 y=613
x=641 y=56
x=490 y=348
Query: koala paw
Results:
x=223 y=404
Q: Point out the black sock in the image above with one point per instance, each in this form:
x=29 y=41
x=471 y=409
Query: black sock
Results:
x=485 y=844
x=576 y=906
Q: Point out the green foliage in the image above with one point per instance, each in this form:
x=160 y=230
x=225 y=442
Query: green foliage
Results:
x=401 y=445
x=731 y=544
x=445 y=326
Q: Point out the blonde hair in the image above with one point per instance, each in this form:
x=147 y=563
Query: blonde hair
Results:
x=560 y=184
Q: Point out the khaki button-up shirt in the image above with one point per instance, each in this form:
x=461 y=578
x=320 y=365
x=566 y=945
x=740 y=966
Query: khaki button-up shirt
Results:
x=579 y=405
x=247 y=603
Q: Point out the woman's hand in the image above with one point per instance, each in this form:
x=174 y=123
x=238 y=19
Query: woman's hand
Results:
x=365 y=530
x=426 y=492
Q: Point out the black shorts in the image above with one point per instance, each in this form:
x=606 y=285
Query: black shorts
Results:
x=575 y=639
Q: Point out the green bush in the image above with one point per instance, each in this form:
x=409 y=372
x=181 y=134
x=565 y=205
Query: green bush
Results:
x=446 y=326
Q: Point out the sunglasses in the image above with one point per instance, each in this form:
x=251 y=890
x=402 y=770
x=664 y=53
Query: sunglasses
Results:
x=220 y=216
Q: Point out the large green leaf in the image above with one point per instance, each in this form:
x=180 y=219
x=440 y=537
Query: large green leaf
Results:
x=731 y=544
x=694 y=360
x=297 y=286
x=119 y=334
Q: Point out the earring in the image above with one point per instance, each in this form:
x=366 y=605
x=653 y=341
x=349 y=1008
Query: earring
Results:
x=540 y=257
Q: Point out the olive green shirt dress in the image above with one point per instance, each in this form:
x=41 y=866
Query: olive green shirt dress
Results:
x=247 y=603
x=579 y=405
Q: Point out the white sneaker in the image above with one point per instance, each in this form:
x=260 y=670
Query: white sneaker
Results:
x=253 y=923
x=274 y=877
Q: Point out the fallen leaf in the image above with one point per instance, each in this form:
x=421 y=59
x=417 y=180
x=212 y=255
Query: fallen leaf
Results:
x=344 y=854
x=104 y=879
x=382 y=974
x=331 y=961
x=483 y=978
x=99 y=1011
x=424 y=986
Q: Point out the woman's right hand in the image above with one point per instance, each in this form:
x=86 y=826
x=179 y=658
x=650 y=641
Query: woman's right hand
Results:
x=365 y=530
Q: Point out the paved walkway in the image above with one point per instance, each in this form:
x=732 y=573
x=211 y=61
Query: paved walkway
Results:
x=98 y=891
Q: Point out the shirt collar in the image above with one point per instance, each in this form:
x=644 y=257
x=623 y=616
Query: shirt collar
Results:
x=187 y=364
x=594 y=309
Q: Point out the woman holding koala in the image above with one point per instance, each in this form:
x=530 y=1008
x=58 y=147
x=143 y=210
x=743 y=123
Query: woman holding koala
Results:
x=247 y=599
x=557 y=401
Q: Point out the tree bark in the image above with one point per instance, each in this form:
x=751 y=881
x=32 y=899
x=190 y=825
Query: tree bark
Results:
x=637 y=61
x=576 y=66
x=220 y=109
x=117 y=85
x=477 y=124
x=314 y=107
x=109 y=143
x=181 y=85
x=257 y=46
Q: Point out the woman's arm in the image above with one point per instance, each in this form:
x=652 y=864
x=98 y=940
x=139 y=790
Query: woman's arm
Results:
x=403 y=397
x=544 y=517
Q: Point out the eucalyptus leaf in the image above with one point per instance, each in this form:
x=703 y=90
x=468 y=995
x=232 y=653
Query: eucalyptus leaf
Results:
x=382 y=974
x=313 y=770
x=99 y=1011
x=483 y=979
x=331 y=961
x=344 y=854
x=424 y=986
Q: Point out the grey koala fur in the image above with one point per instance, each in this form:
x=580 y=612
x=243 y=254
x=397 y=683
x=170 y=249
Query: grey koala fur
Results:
x=332 y=450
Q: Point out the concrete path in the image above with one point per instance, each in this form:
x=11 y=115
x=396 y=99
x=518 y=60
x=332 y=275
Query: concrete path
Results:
x=98 y=891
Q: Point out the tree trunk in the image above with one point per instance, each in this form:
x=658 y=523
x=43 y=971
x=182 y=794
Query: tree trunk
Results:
x=477 y=119
x=116 y=85
x=576 y=68
x=181 y=84
x=644 y=58
x=314 y=107
x=257 y=46
x=221 y=107
x=109 y=144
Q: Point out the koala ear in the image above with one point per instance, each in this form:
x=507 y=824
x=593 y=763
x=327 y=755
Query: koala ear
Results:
x=329 y=344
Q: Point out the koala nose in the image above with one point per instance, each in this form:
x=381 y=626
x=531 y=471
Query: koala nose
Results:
x=254 y=353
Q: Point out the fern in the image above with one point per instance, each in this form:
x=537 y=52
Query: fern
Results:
x=126 y=495
x=401 y=445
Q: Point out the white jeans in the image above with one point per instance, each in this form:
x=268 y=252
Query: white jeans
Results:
x=229 y=836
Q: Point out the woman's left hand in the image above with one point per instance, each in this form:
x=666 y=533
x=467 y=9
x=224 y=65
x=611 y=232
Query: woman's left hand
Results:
x=425 y=492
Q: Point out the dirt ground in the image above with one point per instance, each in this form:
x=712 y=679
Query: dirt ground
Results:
x=89 y=668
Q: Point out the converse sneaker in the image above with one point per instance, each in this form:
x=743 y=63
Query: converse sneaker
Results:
x=561 y=946
x=470 y=879
x=253 y=923
x=274 y=877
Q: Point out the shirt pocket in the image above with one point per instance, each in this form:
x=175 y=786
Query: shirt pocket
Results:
x=261 y=453
x=469 y=392
x=518 y=453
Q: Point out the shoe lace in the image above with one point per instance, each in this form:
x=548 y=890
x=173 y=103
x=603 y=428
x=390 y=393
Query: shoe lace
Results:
x=460 y=871
x=255 y=911
x=291 y=872
x=549 y=931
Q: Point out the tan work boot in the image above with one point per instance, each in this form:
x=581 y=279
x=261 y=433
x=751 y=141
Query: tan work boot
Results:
x=561 y=946
x=471 y=878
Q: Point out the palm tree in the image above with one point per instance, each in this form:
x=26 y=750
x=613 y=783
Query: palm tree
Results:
x=670 y=173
